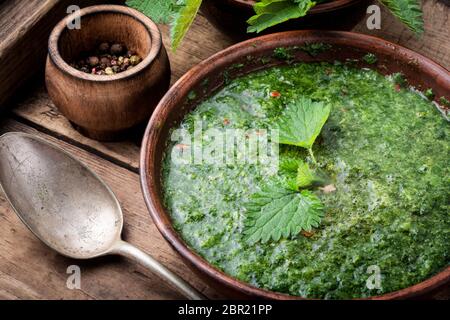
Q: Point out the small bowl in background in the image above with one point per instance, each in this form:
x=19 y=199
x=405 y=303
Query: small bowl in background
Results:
x=107 y=107
x=231 y=16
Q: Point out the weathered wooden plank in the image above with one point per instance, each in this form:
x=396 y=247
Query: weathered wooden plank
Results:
x=24 y=30
x=38 y=110
x=28 y=269
x=17 y=20
x=434 y=43
x=202 y=41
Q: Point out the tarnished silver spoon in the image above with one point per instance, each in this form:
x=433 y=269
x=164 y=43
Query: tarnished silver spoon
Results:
x=67 y=206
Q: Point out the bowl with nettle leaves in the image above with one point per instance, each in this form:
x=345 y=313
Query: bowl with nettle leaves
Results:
x=306 y=164
x=248 y=18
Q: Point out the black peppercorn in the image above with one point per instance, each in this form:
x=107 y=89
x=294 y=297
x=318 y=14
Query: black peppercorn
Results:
x=116 y=49
x=107 y=59
x=104 y=47
x=93 y=61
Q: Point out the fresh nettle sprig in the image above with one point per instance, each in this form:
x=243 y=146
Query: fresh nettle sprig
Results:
x=407 y=11
x=278 y=212
x=178 y=13
x=302 y=122
x=181 y=13
x=285 y=207
x=273 y=12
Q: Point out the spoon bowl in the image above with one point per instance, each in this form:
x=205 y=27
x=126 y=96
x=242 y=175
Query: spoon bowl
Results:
x=75 y=214
x=68 y=206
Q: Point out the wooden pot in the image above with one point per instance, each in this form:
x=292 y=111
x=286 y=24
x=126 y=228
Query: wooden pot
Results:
x=106 y=107
x=257 y=54
x=231 y=16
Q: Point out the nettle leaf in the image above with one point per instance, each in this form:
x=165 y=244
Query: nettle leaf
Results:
x=289 y=166
x=407 y=11
x=179 y=13
x=299 y=175
x=273 y=12
x=277 y=211
x=305 y=176
x=311 y=178
x=302 y=122
x=183 y=20
x=160 y=11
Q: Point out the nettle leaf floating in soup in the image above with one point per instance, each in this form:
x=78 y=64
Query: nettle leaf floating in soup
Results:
x=307 y=177
x=277 y=211
x=284 y=209
x=302 y=122
x=301 y=176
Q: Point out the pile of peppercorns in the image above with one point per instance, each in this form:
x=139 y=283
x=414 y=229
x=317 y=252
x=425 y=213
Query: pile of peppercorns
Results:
x=108 y=59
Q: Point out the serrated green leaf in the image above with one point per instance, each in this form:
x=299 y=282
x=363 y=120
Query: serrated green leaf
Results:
x=273 y=12
x=305 y=176
x=264 y=6
x=277 y=212
x=289 y=166
x=160 y=11
x=179 y=13
x=183 y=20
x=407 y=11
x=302 y=122
x=299 y=175
x=311 y=178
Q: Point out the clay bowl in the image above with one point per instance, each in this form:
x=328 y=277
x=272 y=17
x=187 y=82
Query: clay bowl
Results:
x=230 y=16
x=246 y=57
x=107 y=107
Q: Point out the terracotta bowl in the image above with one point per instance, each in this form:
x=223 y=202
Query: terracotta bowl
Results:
x=230 y=16
x=256 y=54
x=107 y=107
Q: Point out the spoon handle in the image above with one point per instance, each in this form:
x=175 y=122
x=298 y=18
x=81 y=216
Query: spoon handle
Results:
x=129 y=251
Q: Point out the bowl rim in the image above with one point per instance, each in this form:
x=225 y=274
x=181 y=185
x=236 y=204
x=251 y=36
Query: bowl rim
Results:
x=181 y=88
x=151 y=27
x=319 y=8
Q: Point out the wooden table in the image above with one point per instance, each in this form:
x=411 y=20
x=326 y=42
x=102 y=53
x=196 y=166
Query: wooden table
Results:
x=29 y=270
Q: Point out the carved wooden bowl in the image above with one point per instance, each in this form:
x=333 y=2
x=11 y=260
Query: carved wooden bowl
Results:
x=107 y=107
x=420 y=71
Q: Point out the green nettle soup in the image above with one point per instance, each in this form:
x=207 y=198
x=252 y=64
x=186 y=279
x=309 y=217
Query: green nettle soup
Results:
x=385 y=148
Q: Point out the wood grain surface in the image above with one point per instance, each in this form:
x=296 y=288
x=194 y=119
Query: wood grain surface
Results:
x=19 y=18
x=202 y=41
x=434 y=43
x=41 y=273
x=24 y=30
x=29 y=270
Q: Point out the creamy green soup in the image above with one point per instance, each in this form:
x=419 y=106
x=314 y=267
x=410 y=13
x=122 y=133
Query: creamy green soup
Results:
x=386 y=149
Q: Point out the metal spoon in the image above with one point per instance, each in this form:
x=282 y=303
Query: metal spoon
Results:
x=67 y=206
